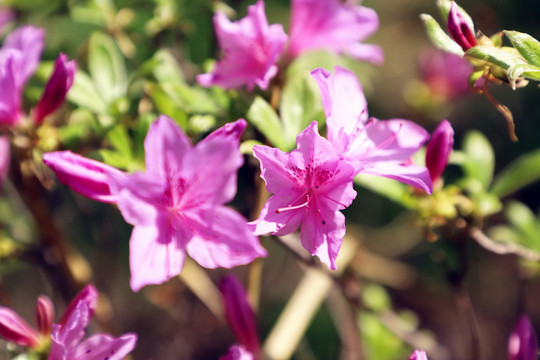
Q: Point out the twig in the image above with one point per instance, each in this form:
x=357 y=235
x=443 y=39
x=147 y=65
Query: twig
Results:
x=500 y=247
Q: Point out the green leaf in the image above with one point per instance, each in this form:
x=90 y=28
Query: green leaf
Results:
x=107 y=67
x=115 y=159
x=84 y=93
x=521 y=172
x=480 y=159
x=527 y=46
x=528 y=71
x=119 y=139
x=300 y=105
x=502 y=57
x=439 y=38
x=523 y=219
x=388 y=188
x=265 y=119
x=246 y=148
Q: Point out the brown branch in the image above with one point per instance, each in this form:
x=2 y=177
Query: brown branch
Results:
x=500 y=247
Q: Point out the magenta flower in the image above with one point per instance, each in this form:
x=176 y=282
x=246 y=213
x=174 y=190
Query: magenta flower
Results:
x=375 y=147
x=522 y=344
x=239 y=313
x=10 y=96
x=418 y=355
x=333 y=25
x=56 y=88
x=460 y=28
x=238 y=352
x=5 y=154
x=15 y=329
x=251 y=50
x=310 y=185
x=439 y=149
x=44 y=312
x=175 y=205
x=67 y=335
x=87 y=177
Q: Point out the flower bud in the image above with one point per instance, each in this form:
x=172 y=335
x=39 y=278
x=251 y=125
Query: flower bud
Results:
x=239 y=314
x=460 y=29
x=86 y=176
x=44 y=312
x=418 y=355
x=88 y=296
x=439 y=149
x=522 y=344
x=56 y=88
x=14 y=329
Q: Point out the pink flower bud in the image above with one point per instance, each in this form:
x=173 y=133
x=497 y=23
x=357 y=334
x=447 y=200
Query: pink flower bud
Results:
x=88 y=296
x=87 y=177
x=460 y=29
x=44 y=314
x=522 y=344
x=14 y=329
x=56 y=88
x=439 y=149
x=238 y=352
x=418 y=355
x=239 y=314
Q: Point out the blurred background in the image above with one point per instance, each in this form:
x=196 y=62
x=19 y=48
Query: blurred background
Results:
x=401 y=285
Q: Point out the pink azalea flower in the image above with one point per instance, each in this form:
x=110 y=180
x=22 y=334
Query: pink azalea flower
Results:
x=15 y=329
x=522 y=344
x=460 y=28
x=176 y=205
x=418 y=355
x=238 y=352
x=56 y=88
x=10 y=96
x=239 y=313
x=251 y=50
x=333 y=25
x=375 y=147
x=439 y=149
x=310 y=185
x=67 y=335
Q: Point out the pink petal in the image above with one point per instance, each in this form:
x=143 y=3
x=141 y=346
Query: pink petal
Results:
x=439 y=149
x=275 y=167
x=56 y=88
x=88 y=296
x=522 y=343
x=239 y=314
x=29 y=40
x=87 y=177
x=238 y=352
x=103 y=346
x=232 y=131
x=10 y=95
x=417 y=176
x=460 y=29
x=15 y=329
x=418 y=355
x=223 y=240
x=155 y=255
x=332 y=25
x=5 y=155
x=66 y=336
x=44 y=312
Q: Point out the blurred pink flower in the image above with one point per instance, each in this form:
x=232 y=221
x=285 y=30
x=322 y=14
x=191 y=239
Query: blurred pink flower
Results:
x=67 y=335
x=56 y=88
x=418 y=355
x=251 y=50
x=15 y=329
x=175 y=205
x=238 y=352
x=44 y=312
x=460 y=28
x=333 y=25
x=522 y=344
x=375 y=147
x=439 y=149
x=239 y=313
x=310 y=185
x=5 y=155
x=445 y=74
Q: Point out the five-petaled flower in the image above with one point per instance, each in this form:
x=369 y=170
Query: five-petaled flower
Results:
x=251 y=50
x=310 y=185
x=333 y=25
x=176 y=204
x=372 y=146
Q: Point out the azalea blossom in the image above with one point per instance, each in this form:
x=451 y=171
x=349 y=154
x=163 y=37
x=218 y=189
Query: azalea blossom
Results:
x=522 y=343
x=19 y=59
x=67 y=335
x=333 y=25
x=176 y=204
x=310 y=185
x=239 y=315
x=418 y=355
x=251 y=50
x=439 y=149
x=376 y=147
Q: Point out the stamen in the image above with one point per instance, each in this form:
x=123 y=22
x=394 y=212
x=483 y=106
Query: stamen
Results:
x=296 y=207
x=337 y=202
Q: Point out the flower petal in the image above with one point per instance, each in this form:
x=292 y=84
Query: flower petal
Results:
x=103 y=346
x=88 y=296
x=10 y=95
x=15 y=329
x=224 y=241
x=44 y=312
x=439 y=149
x=417 y=176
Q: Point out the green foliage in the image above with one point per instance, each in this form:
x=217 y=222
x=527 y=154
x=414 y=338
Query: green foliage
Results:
x=264 y=118
x=521 y=172
x=439 y=37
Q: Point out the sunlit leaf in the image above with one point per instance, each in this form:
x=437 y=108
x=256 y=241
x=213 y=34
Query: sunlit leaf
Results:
x=439 y=37
x=527 y=46
x=265 y=119
x=480 y=159
x=518 y=174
